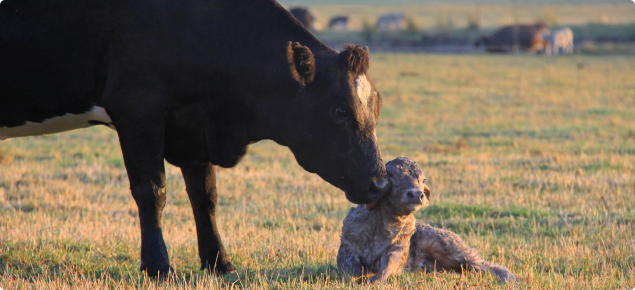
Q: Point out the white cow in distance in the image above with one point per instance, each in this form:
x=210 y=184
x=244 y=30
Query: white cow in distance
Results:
x=559 y=41
x=395 y=21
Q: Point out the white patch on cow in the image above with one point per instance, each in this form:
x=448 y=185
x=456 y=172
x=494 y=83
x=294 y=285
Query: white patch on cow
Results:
x=363 y=90
x=58 y=124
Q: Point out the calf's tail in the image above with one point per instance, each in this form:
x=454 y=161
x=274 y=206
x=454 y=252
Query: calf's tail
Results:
x=474 y=261
x=499 y=271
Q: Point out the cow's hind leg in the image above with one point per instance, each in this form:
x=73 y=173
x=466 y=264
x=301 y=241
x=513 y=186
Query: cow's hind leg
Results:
x=201 y=188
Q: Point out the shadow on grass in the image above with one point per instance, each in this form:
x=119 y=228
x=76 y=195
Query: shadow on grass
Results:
x=127 y=275
x=320 y=273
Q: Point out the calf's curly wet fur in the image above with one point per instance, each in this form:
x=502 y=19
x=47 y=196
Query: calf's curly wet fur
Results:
x=387 y=239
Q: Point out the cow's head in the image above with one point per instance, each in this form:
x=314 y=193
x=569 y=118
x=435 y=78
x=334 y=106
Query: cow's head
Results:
x=329 y=123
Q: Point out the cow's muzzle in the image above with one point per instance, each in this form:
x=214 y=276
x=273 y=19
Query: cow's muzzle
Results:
x=373 y=192
x=379 y=188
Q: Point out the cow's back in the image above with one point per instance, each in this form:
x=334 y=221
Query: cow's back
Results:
x=52 y=55
x=69 y=57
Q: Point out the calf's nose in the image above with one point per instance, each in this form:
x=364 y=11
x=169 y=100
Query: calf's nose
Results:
x=415 y=195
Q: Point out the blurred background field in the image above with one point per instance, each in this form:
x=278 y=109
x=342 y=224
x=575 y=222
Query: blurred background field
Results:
x=530 y=159
x=427 y=16
x=599 y=27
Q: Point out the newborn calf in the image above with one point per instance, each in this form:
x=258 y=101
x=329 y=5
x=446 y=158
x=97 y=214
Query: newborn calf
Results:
x=387 y=238
x=377 y=240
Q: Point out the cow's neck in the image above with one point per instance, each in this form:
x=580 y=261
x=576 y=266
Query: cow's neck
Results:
x=257 y=60
x=245 y=68
x=252 y=36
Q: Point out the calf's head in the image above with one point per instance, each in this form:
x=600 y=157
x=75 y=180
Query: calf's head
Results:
x=330 y=122
x=409 y=192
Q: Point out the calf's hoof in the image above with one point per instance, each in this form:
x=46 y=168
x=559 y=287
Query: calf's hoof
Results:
x=157 y=271
x=375 y=279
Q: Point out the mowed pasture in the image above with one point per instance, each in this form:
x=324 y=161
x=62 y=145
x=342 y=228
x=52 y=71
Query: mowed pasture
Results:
x=530 y=160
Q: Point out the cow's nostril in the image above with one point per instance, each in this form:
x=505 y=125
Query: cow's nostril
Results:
x=379 y=188
x=410 y=195
x=381 y=184
x=422 y=197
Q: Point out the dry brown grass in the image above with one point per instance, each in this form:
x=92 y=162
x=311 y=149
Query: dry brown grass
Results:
x=533 y=167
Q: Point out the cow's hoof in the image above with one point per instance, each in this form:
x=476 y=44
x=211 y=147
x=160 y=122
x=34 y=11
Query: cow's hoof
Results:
x=161 y=272
x=222 y=268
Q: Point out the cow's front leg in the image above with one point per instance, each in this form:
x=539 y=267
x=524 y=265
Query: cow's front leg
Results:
x=142 y=147
x=201 y=188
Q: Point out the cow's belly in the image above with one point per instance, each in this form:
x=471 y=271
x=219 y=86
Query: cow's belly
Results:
x=95 y=116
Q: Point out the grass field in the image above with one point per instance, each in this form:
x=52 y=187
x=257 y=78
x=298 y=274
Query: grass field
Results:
x=530 y=159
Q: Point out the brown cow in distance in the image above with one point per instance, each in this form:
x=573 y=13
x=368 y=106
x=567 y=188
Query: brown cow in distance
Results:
x=516 y=38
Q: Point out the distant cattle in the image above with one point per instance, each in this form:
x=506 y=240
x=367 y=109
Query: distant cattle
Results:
x=304 y=16
x=516 y=38
x=339 y=22
x=559 y=41
x=395 y=21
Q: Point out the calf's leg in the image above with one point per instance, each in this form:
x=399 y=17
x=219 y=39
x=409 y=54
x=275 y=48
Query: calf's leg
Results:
x=348 y=261
x=201 y=188
x=391 y=263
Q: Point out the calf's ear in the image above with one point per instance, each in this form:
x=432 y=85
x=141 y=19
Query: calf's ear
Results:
x=301 y=63
x=426 y=191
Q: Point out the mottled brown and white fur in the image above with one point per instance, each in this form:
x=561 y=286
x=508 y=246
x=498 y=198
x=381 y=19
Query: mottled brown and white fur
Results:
x=436 y=250
x=387 y=238
x=377 y=240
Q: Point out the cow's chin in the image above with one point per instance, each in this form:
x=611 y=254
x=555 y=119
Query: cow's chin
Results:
x=363 y=197
x=305 y=163
x=357 y=192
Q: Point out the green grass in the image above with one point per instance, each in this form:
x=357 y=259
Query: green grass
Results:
x=530 y=160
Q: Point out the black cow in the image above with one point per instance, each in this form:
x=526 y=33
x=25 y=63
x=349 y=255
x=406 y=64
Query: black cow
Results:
x=193 y=82
x=516 y=38
x=304 y=16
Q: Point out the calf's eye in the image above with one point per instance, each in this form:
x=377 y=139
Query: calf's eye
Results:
x=341 y=113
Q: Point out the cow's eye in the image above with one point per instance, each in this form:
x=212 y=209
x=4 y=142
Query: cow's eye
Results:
x=341 y=113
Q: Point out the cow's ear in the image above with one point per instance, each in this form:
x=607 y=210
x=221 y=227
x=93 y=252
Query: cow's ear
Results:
x=426 y=191
x=301 y=63
x=355 y=57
